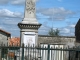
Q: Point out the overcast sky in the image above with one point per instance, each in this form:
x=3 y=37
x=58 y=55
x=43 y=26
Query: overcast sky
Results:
x=61 y=14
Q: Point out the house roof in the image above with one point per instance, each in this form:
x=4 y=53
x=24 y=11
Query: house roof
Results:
x=15 y=41
x=5 y=32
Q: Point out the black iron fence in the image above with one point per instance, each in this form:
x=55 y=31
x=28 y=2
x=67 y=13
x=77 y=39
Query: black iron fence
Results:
x=41 y=52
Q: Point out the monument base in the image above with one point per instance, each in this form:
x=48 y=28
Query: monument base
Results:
x=29 y=32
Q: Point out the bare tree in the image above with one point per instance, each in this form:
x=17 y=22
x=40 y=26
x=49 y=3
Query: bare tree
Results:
x=53 y=32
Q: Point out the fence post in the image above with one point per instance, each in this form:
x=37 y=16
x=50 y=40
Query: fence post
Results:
x=22 y=52
x=69 y=55
x=48 y=52
x=77 y=55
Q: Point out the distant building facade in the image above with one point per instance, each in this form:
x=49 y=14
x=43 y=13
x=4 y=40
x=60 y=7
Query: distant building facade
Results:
x=77 y=31
x=4 y=36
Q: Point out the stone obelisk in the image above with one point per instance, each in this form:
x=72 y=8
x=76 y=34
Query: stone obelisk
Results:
x=29 y=25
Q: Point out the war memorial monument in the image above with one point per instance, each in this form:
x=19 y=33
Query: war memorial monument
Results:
x=29 y=25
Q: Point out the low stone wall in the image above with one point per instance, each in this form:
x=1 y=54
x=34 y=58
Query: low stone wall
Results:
x=67 y=40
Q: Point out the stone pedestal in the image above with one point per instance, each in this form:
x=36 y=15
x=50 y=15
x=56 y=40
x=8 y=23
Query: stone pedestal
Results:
x=29 y=33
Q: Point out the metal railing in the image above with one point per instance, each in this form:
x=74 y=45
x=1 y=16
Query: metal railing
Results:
x=47 y=52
